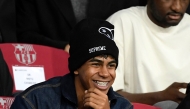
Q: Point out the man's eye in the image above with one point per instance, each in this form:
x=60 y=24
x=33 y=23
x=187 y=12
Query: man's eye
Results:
x=112 y=65
x=96 y=64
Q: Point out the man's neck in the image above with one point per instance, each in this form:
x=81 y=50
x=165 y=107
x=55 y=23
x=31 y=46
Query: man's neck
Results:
x=154 y=20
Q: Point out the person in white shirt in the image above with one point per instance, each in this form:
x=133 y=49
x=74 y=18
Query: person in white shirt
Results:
x=154 y=45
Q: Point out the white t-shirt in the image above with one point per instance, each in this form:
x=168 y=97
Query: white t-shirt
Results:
x=150 y=57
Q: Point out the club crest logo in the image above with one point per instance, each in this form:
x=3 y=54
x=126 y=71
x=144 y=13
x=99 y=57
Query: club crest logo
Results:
x=107 y=32
x=5 y=103
x=25 y=53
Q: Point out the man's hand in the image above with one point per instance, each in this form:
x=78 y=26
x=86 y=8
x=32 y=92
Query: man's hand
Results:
x=96 y=99
x=172 y=92
x=67 y=47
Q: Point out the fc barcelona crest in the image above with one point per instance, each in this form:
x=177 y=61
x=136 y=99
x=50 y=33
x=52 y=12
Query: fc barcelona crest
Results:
x=25 y=53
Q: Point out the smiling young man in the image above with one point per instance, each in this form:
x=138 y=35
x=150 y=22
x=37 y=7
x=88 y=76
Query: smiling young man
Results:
x=92 y=64
x=97 y=75
x=154 y=44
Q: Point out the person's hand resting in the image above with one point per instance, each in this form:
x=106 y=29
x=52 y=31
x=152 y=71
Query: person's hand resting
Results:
x=172 y=92
x=96 y=99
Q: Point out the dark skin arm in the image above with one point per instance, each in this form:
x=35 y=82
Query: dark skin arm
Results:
x=170 y=93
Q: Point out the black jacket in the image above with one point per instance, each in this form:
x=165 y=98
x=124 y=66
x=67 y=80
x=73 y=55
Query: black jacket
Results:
x=7 y=21
x=49 y=22
x=6 y=82
x=60 y=93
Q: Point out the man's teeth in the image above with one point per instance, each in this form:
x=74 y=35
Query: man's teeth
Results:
x=101 y=83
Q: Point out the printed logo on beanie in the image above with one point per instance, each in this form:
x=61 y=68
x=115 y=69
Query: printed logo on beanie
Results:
x=94 y=49
x=107 y=32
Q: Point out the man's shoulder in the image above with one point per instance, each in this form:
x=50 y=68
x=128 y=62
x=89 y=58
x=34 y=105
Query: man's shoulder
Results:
x=122 y=101
x=44 y=94
x=118 y=96
x=43 y=87
x=121 y=98
x=130 y=12
x=187 y=17
x=185 y=22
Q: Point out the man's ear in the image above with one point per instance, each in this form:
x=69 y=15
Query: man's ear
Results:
x=76 y=72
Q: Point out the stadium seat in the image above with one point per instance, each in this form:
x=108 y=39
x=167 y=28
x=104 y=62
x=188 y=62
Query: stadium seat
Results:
x=52 y=61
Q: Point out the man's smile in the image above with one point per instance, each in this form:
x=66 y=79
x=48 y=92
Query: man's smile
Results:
x=102 y=85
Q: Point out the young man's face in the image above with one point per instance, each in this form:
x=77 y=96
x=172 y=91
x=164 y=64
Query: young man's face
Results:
x=167 y=13
x=98 y=72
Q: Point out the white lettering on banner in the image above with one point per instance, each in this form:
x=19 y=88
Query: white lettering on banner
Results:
x=100 y=48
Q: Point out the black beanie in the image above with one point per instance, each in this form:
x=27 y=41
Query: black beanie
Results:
x=90 y=38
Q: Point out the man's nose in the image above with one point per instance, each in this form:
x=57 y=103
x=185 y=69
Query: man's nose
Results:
x=104 y=72
x=177 y=5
